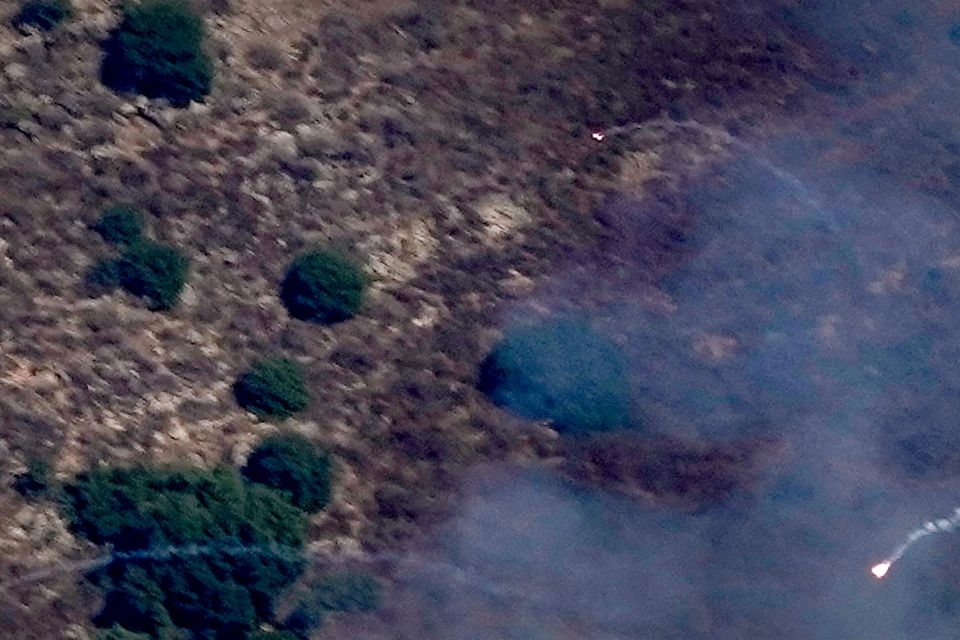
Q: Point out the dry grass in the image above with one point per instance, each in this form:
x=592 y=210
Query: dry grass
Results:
x=445 y=145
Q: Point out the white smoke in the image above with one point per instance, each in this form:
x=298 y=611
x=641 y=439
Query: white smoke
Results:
x=929 y=528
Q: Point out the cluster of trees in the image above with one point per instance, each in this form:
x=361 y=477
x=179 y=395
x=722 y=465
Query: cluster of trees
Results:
x=150 y=270
x=202 y=553
x=320 y=286
x=220 y=591
x=43 y=14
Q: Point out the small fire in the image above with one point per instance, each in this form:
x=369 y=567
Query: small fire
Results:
x=597 y=135
x=880 y=570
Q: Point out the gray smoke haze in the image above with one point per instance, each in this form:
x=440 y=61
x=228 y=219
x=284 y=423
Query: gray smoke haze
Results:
x=833 y=282
x=574 y=563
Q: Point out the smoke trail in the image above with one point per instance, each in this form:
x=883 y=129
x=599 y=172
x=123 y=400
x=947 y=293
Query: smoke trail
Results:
x=943 y=525
x=157 y=554
x=163 y=554
x=726 y=138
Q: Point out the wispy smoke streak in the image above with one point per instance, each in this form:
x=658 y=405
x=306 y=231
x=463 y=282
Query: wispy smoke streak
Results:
x=728 y=139
x=158 y=554
x=929 y=528
x=409 y=563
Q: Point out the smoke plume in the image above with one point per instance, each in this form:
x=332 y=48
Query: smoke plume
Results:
x=819 y=304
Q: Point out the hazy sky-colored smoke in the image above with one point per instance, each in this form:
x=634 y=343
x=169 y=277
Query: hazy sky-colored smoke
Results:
x=836 y=278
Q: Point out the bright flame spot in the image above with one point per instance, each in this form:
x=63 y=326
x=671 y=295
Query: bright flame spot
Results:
x=880 y=570
x=597 y=135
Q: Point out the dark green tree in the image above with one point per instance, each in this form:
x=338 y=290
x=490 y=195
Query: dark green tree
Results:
x=294 y=465
x=135 y=600
x=323 y=286
x=35 y=481
x=272 y=388
x=234 y=547
x=155 y=272
x=561 y=371
x=121 y=224
x=43 y=14
x=158 y=51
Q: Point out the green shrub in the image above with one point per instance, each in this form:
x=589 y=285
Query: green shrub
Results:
x=323 y=286
x=43 y=14
x=561 y=371
x=35 y=481
x=155 y=272
x=103 y=277
x=295 y=465
x=158 y=51
x=122 y=224
x=272 y=388
x=246 y=540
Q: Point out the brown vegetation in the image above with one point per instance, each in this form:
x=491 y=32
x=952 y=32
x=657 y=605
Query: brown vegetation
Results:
x=446 y=144
x=670 y=471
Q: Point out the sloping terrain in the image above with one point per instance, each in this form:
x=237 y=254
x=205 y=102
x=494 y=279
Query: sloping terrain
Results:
x=445 y=145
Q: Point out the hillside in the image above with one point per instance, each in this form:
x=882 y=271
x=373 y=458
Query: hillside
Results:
x=444 y=146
